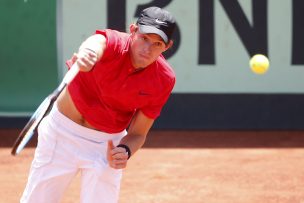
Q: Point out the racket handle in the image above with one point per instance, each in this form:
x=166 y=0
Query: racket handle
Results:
x=71 y=74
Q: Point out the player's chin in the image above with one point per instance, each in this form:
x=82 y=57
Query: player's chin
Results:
x=144 y=61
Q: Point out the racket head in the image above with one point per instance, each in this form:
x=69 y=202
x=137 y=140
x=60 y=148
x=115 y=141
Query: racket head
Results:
x=29 y=130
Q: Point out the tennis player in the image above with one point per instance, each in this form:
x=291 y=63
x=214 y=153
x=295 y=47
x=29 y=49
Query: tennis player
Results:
x=102 y=118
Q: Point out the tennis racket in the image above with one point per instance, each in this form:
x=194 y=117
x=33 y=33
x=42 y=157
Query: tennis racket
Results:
x=31 y=127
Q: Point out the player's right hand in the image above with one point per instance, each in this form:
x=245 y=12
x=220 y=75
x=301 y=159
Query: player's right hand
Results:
x=85 y=58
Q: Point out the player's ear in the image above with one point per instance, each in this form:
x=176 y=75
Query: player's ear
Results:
x=169 y=45
x=133 y=28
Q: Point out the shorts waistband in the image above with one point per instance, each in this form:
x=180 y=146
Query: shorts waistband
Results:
x=75 y=129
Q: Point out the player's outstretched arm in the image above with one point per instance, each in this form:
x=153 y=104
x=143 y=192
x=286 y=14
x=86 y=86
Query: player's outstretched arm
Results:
x=90 y=51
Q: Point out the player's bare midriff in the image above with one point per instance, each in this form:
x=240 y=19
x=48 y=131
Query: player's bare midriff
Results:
x=67 y=107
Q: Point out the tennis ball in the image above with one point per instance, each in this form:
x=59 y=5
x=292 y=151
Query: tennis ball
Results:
x=259 y=64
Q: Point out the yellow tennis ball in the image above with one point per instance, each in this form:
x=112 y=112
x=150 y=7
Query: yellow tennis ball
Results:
x=259 y=64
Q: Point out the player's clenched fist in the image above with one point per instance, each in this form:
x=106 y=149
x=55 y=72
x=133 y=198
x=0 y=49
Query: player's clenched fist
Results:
x=85 y=58
x=117 y=156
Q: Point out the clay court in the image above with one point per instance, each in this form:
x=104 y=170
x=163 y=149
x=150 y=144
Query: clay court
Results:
x=191 y=167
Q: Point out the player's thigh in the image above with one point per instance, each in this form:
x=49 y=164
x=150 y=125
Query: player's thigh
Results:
x=52 y=169
x=100 y=184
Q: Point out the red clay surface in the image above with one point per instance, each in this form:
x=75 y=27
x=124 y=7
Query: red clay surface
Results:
x=191 y=167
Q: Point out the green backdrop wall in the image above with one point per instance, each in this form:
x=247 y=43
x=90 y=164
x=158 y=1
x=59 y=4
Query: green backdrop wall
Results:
x=28 y=55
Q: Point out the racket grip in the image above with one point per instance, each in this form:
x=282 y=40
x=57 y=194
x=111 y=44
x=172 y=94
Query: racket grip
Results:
x=71 y=74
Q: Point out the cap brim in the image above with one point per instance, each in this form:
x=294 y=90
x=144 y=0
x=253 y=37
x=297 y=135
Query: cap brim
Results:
x=145 y=29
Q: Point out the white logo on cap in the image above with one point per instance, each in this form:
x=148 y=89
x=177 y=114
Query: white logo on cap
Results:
x=159 y=21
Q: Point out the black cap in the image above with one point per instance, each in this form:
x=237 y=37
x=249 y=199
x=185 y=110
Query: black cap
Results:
x=158 y=21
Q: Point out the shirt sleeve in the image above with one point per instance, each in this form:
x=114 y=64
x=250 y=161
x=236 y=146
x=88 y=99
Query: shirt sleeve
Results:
x=114 y=44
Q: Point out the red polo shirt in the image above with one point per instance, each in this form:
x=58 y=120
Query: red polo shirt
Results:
x=110 y=94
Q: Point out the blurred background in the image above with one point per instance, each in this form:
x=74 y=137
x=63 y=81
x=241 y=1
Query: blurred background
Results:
x=226 y=134
x=215 y=89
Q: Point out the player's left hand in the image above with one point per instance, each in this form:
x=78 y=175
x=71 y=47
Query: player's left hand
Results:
x=117 y=156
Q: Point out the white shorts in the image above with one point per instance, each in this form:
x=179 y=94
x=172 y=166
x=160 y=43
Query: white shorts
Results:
x=64 y=149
